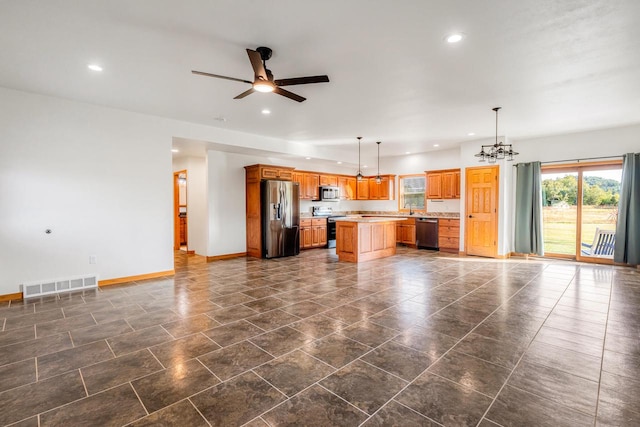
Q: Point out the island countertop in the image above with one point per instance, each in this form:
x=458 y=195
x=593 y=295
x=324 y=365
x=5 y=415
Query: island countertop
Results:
x=369 y=219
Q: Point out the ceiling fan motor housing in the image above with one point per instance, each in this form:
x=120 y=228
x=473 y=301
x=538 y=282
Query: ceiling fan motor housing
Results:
x=265 y=53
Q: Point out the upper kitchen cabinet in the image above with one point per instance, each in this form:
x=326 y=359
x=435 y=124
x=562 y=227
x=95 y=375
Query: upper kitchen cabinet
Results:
x=443 y=184
x=362 y=191
x=328 y=180
x=347 y=186
x=309 y=183
x=369 y=189
x=271 y=172
x=385 y=190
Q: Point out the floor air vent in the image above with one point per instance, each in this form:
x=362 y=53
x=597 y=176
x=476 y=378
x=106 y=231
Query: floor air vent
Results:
x=46 y=287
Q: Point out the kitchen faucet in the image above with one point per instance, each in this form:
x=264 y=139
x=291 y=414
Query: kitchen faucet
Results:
x=410 y=211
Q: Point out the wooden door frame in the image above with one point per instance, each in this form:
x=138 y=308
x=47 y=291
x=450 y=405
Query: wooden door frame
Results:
x=466 y=208
x=176 y=209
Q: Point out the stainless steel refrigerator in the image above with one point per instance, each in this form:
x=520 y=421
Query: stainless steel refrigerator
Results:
x=280 y=204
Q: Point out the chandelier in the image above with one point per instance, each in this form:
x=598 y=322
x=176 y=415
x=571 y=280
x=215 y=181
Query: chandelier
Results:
x=497 y=151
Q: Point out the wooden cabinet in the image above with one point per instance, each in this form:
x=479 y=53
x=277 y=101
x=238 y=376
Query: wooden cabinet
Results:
x=443 y=184
x=449 y=235
x=276 y=172
x=299 y=178
x=434 y=185
x=331 y=180
x=369 y=189
x=406 y=232
x=456 y=185
x=313 y=233
x=347 y=186
x=362 y=191
x=383 y=191
x=309 y=183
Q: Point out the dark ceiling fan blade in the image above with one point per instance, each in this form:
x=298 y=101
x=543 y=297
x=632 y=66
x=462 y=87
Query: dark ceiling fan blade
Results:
x=288 y=94
x=245 y=93
x=302 y=80
x=202 y=73
x=256 y=63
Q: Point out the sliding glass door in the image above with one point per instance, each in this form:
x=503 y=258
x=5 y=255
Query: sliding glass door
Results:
x=580 y=210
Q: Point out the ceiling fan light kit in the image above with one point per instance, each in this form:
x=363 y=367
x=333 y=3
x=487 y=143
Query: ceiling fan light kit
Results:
x=263 y=80
x=497 y=151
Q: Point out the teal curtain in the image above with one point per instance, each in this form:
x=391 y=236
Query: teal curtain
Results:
x=528 y=221
x=627 y=247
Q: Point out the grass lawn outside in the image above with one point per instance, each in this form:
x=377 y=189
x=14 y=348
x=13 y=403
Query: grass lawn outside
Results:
x=559 y=226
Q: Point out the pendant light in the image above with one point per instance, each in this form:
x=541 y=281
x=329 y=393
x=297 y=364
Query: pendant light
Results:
x=378 y=177
x=359 y=176
x=497 y=151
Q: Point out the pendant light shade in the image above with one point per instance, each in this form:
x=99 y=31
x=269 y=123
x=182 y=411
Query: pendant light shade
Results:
x=359 y=175
x=378 y=177
x=497 y=151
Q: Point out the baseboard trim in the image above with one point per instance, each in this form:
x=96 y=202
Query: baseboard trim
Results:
x=127 y=279
x=226 y=256
x=11 y=297
x=191 y=252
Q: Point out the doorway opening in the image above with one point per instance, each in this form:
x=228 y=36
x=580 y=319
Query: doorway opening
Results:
x=580 y=210
x=180 y=230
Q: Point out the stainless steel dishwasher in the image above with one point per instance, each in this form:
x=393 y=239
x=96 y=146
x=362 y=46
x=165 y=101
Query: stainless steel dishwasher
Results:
x=427 y=233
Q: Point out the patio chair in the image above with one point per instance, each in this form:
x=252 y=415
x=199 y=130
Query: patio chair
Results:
x=602 y=246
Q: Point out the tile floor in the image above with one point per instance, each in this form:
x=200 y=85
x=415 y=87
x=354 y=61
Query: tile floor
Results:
x=419 y=339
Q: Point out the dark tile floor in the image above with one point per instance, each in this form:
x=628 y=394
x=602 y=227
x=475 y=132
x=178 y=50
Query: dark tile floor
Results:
x=419 y=339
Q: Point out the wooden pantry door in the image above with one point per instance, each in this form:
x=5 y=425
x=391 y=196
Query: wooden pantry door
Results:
x=481 y=227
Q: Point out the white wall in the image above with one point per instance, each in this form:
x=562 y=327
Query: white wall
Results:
x=99 y=178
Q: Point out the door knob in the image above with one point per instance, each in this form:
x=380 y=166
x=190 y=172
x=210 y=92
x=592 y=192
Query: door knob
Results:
x=470 y=216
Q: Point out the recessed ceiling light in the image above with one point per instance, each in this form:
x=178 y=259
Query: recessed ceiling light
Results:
x=175 y=150
x=436 y=145
x=339 y=163
x=407 y=152
x=94 y=67
x=454 y=38
x=365 y=166
x=308 y=158
x=265 y=111
x=471 y=134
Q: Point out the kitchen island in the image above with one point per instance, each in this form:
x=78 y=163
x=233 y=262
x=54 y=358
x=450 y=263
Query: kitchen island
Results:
x=362 y=239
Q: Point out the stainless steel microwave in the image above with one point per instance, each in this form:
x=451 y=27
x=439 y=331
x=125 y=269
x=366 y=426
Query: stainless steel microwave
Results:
x=329 y=194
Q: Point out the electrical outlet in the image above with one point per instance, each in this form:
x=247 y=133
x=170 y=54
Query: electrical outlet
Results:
x=93 y=259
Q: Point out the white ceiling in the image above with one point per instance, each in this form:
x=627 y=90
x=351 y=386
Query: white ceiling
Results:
x=555 y=66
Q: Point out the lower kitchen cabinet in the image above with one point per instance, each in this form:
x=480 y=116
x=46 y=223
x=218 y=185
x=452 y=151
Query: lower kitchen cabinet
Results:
x=313 y=233
x=449 y=235
x=406 y=232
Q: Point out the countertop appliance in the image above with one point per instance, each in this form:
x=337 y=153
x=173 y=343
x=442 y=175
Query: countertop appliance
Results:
x=280 y=206
x=427 y=233
x=329 y=193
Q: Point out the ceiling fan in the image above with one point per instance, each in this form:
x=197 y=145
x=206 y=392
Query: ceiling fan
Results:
x=263 y=77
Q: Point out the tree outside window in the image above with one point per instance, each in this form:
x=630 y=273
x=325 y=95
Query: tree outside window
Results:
x=412 y=192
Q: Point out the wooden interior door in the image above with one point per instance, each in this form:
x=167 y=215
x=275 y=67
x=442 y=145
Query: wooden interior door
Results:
x=481 y=229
